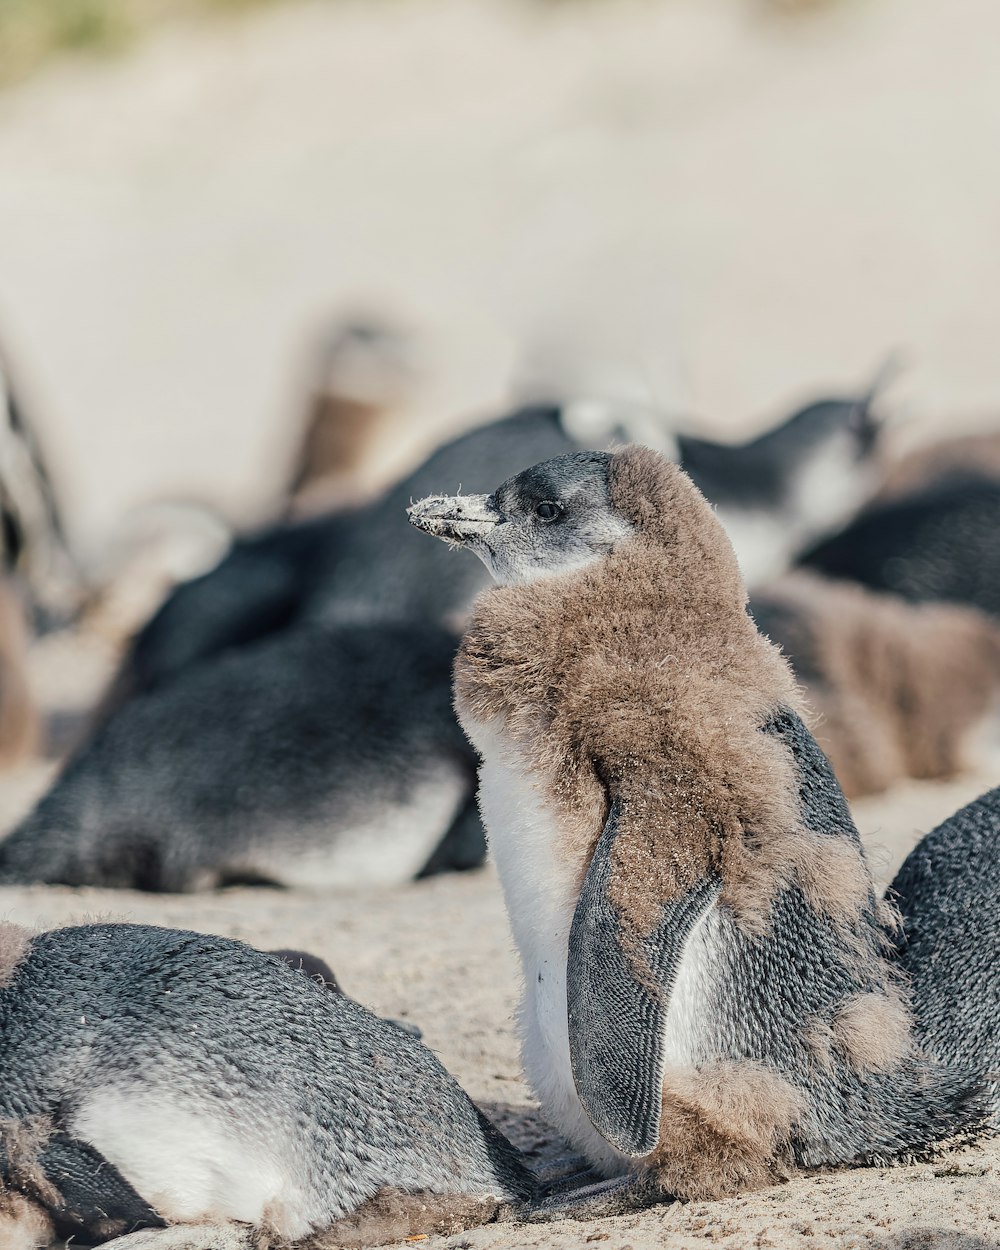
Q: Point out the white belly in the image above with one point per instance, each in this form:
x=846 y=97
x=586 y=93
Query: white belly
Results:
x=386 y=846
x=540 y=888
x=194 y=1163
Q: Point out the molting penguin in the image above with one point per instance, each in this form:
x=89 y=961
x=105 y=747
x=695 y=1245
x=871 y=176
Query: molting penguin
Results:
x=154 y=1077
x=707 y=1002
x=325 y=757
x=898 y=689
x=948 y=893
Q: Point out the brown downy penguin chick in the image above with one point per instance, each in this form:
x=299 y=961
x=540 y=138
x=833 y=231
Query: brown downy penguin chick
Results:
x=708 y=1006
x=365 y=373
x=968 y=457
x=897 y=689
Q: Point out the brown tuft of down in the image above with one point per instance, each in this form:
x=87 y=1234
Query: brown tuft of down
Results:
x=897 y=689
x=726 y=1127
x=23 y=1224
x=15 y=941
x=873 y=1030
x=969 y=455
x=393 y=1215
x=641 y=679
x=20 y=724
x=22 y=1140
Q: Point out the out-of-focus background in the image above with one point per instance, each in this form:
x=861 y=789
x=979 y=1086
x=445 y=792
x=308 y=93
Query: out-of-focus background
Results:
x=744 y=200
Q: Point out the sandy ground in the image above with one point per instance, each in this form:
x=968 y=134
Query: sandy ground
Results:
x=734 y=208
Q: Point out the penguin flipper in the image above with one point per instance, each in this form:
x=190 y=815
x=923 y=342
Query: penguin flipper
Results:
x=77 y=1187
x=617 y=1016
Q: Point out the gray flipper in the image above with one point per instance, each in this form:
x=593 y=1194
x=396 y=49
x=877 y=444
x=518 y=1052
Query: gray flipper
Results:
x=616 y=1022
x=80 y=1190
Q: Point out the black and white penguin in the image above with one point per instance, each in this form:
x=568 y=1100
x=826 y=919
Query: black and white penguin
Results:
x=708 y=1004
x=937 y=543
x=948 y=895
x=325 y=757
x=154 y=1077
x=802 y=479
x=896 y=689
x=777 y=494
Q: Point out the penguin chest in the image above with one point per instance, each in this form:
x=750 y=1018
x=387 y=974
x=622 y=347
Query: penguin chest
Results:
x=540 y=885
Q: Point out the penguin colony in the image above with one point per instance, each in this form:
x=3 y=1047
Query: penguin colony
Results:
x=714 y=996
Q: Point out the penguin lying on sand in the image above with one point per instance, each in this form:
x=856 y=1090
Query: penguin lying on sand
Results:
x=898 y=689
x=325 y=757
x=154 y=1077
x=948 y=893
x=708 y=1003
x=937 y=544
x=364 y=564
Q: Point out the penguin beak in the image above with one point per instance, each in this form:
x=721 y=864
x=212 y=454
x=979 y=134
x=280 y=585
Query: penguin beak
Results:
x=456 y=519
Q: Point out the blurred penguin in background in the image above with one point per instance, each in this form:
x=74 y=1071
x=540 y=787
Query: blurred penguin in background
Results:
x=948 y=895
x=896 y=689
x=361 y=565
x=937 y=544
x=39 y=582
x=324 y=757
x=364 y=372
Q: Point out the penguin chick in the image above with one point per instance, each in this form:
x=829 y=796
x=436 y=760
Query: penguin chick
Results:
x=938 y=544
x=800 y=480
x=325 y=757
x=156 y=1077
x=948 y=894
x=365 y=371
x=897 y=689
x=707 y=999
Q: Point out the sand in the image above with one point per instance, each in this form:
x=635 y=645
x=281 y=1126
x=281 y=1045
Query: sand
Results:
x=735 y=207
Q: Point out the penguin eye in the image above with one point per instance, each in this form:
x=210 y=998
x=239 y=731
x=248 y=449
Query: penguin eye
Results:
x=548 y=511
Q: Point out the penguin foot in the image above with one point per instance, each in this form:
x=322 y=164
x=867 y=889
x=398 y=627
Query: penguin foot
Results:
x=619 y=1196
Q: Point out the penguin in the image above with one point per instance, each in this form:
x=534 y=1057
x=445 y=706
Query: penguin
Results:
x=948 y=896
x=33 y=543
x=777 y=494
x=895 y=689
x=325 y=757
x=364 y=372
x=936 y=544
x=156 y=1078
x=708 y=1003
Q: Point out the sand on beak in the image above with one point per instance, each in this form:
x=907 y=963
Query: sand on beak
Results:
x=456 y=519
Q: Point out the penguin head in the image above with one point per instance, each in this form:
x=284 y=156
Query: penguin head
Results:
x=553 y=518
